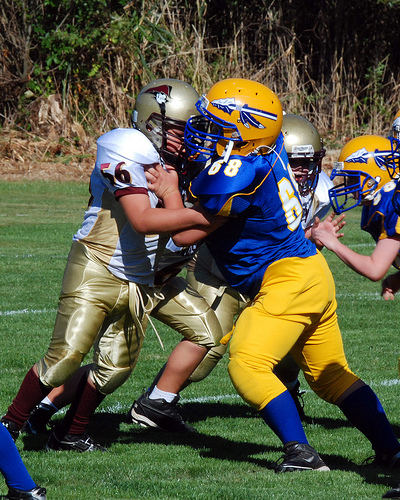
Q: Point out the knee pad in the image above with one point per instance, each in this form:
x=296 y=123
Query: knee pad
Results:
x=108 y=380
x=55 y=369
x=330 y=385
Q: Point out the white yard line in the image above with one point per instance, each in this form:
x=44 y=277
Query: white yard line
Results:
x=26 y=311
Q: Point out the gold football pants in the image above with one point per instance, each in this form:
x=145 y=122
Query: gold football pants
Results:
x=226 y=302
x=295 y=311
x=98 y=309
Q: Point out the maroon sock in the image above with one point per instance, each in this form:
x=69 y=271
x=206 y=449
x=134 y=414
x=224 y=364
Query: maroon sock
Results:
x=31 y=392
x=87 y=399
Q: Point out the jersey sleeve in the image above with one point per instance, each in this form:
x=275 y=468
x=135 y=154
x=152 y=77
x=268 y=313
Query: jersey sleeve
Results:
x=122 y=155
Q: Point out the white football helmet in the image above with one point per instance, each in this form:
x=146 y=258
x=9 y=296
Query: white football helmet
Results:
x=305 y=150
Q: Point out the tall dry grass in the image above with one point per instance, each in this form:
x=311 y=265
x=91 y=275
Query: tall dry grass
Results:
x=331 y=62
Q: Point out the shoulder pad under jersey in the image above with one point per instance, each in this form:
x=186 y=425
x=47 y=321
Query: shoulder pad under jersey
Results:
x=224 y=178
x=129 y=144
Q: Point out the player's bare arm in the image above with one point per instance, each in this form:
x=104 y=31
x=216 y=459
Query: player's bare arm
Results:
x=164 y=183
x=374 y=266
x=191 y=236
x=147 y=220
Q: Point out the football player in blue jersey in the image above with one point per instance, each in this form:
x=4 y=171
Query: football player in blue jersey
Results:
x=366 y=181
x=365 y=167
x=261 y=250
x=395 y=135
x=305 y=150
x=391 y=284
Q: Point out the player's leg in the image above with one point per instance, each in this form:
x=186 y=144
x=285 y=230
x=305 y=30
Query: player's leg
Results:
x=16 y=475
x=184 y=310
x=325 y=367
x=294 y=294
x=287 y=370
x=87 y=294
x=204 y=276
x=59 y=397
x=253 y=356
x=115 y=355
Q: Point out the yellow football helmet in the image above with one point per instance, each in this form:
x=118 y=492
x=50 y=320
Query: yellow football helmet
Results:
x=362 y=165
x=393 y=163
x=239 y=116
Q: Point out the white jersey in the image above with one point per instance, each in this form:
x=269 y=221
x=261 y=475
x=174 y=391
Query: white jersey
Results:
x=106 y=231
x=319 y=204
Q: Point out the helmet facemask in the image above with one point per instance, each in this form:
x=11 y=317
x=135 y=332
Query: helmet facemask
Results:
x=356 y=188
x=167 y=136
x=306 y=168
x=392 y=160
x=363 y=166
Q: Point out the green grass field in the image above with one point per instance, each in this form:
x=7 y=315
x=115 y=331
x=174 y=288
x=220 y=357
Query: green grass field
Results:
x=232 y=455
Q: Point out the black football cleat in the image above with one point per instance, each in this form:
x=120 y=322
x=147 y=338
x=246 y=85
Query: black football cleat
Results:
x=299 y=457
x=394 y=493
x=38 y=421
x=159 y=414
x=71 y=442
x=386 y=461
x=37 y=493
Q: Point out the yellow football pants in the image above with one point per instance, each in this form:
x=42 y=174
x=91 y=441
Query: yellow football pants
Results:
x=227 y=303
x=295 y=311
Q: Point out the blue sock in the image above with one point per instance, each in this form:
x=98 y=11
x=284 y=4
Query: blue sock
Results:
x=11 y=464
x=282 y=416
x=365 y=412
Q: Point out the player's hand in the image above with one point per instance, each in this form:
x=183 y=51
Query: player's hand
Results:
x=324 y=233
x=161 y=181
x=390 y=285
x=337 y=223
x=333 y=224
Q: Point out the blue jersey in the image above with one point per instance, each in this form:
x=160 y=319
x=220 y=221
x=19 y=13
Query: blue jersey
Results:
x=380 y=219
x=259 y=196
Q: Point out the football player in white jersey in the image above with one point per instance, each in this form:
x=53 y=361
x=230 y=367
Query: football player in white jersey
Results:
x=108 y=287
x=305 y=151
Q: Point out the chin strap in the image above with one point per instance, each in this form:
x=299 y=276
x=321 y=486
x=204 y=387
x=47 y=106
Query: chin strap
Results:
x=228 y=151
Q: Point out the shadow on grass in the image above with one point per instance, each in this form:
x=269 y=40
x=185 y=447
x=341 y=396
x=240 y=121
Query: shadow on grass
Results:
x=110 y=428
